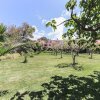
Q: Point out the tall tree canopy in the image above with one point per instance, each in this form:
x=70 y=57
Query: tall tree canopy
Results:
x=84 y=24
x=21 y=33
x=15 y=37
x=87 y=20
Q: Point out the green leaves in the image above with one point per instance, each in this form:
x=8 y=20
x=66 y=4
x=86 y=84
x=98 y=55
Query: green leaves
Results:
x=48 y=24
x=70 y=23
x=27 y=30
x=52 y=23
x=70 y=5
x=2 y=50
x=69 y=34
x=2 y=29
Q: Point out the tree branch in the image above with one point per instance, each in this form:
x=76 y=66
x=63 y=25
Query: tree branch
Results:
x=83 y=26
x=11 y=49
x=63 y=22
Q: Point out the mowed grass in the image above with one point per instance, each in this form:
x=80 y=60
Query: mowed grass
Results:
x=17 y=76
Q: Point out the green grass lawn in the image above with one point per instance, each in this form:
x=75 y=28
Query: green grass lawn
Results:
x=16 y=76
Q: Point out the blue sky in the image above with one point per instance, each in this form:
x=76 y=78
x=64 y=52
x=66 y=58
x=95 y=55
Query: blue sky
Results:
x=34 y=12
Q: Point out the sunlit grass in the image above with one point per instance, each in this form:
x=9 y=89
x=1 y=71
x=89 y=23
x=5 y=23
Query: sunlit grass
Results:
x=17 y=76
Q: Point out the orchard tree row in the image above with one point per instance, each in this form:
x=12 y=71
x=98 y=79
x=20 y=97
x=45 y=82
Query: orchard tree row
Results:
x=85 y=25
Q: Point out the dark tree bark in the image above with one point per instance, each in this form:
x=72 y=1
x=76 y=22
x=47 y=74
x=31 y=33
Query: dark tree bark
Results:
x=25 y=59
x=61 y=53
x=91 y=54
x=74 y=54
x=74 y=59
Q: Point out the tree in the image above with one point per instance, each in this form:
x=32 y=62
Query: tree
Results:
x=13 y=35
x=26 y=31
x=20 y=35
x=72 y=44
x=86 y=24
x=61 y=47
x=2 y=38
x=89 y=19
x=26 y=34
x=43 y=39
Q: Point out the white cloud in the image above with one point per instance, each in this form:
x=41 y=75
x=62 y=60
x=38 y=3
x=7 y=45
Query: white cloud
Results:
x=39 y=17
x=78 y=14
x=65 y=14
x=57 y=34
x=44 y=21
x=37 y=34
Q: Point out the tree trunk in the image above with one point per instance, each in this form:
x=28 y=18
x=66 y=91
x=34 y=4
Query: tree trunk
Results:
x=25 y=59
x=56 y=52
x=74 y=54
x=61 y=53
x=74 y=59
x=77 y=53
x=91 y=54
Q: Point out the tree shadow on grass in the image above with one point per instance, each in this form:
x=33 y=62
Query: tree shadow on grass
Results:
x=38 y=95
x=69 y=88
x=76 y=66
x=62 y=65
x=4 y=92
